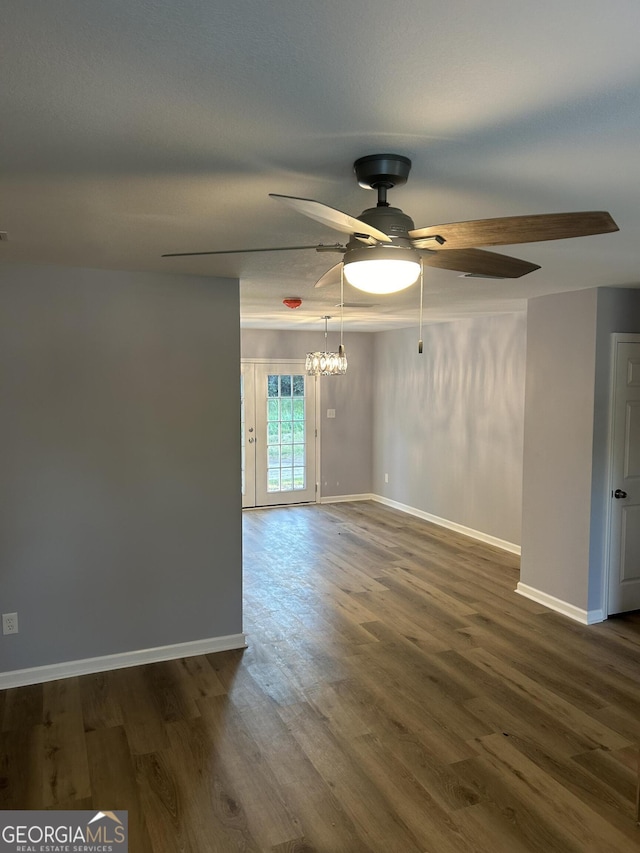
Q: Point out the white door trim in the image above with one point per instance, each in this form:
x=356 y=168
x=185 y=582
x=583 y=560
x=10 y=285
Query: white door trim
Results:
x=616 y=338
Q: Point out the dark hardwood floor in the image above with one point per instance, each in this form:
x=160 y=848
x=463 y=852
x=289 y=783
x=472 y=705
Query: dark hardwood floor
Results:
x=396 y=696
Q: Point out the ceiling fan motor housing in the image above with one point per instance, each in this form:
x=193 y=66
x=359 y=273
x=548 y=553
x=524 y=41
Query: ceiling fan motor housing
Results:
x=389 y=220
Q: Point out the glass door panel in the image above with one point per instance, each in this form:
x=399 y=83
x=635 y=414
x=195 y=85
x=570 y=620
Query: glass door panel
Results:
x=285 y=434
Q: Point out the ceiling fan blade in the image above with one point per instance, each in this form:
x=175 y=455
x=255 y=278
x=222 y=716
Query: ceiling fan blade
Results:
x=517 y=229
x=331 y=276
x=336 y=247
x=480 y=263
x=332 y=217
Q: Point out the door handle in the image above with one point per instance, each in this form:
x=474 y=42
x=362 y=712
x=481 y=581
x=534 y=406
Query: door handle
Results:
x=619 y=494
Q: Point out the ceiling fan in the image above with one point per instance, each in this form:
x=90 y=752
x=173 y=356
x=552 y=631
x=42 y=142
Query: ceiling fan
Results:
x=385 y=251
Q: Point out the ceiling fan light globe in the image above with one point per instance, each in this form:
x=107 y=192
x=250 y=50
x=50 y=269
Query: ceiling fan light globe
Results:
x=382 y=275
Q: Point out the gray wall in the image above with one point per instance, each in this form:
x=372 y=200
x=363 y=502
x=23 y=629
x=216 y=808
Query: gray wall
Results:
x=448 y=423
x=565 y=489
x=120 y=523
x=346 y=440
x=558 y=444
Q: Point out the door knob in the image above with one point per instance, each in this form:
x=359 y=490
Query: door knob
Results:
x=619 y=494
x=251 y=440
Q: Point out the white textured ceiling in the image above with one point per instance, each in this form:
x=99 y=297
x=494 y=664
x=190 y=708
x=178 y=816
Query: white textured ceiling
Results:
x=130 y=128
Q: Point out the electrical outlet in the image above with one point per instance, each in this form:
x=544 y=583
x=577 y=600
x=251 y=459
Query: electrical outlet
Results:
x=9 y=623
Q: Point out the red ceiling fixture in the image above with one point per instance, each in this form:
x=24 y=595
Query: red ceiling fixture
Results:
x=292 y=302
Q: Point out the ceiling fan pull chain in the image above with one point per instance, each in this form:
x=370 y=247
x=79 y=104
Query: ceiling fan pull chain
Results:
x=341 y=347
x=421 y=292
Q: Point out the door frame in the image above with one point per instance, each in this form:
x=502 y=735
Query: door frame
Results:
x=616 y=338
x=296 y=362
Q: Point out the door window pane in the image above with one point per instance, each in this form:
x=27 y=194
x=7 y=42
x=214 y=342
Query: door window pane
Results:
x=273 y=411
x=272 y=386
x=286 y=455
x=273 y=433
x=286 y=410
x=285 y=386
x=273 y=456
x=273 y=480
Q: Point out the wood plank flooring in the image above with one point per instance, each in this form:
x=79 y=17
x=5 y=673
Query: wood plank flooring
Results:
x=396 y=697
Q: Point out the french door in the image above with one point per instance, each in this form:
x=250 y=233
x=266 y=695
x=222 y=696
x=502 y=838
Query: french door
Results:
x=278 y=422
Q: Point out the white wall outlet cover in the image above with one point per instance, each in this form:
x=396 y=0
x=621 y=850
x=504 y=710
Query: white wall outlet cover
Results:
x=9 y=623
x=331 y=413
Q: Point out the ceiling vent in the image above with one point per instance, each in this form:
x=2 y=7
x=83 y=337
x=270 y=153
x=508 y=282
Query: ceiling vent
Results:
x=479 y=275
x=357 y=305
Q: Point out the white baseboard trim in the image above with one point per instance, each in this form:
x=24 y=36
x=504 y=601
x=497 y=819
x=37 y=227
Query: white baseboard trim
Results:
x=89 y=666
x=585 y=617
x=336 y=499
x=450 y=525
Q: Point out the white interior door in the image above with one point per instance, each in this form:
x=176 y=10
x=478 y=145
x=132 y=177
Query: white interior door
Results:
x=624 y=532
x=279 y=434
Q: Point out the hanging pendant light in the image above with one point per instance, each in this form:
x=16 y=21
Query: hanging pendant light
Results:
x=326 y=363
